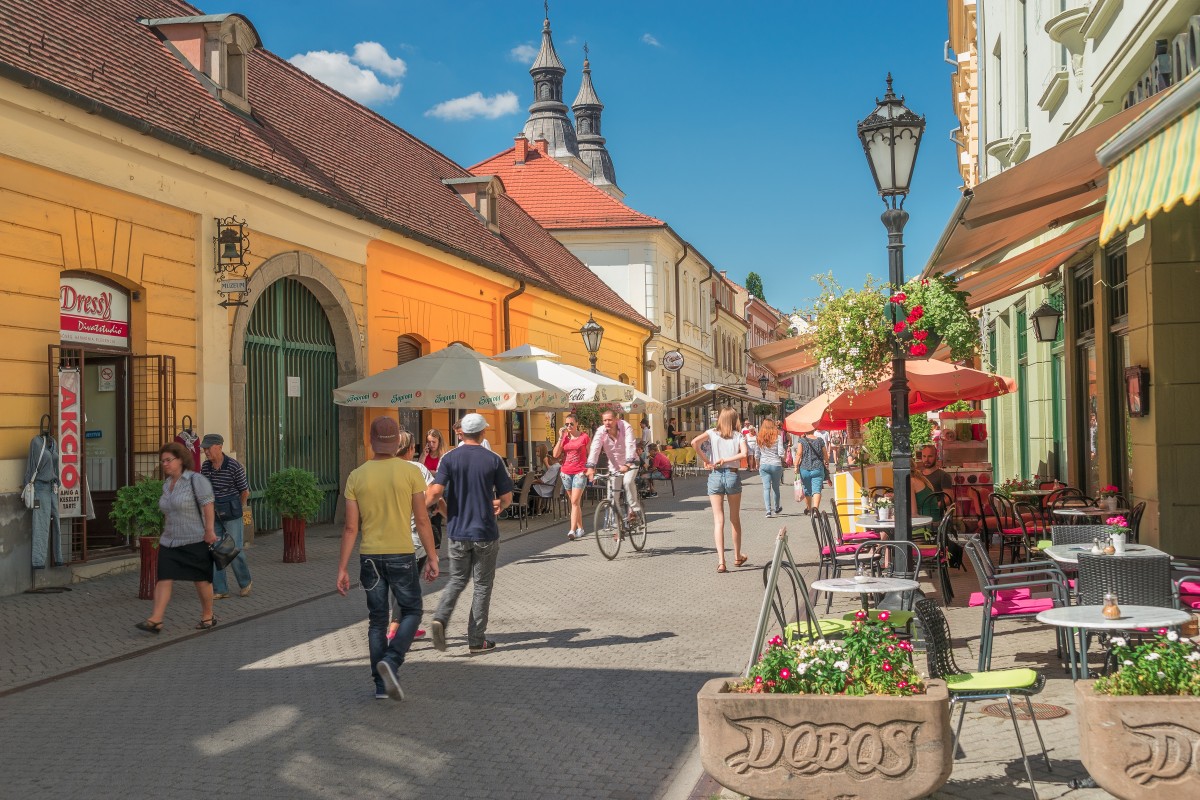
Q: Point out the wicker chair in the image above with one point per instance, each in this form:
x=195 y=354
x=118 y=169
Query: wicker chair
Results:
x=1135 y=580
x=969 y=687
x=1076 y=534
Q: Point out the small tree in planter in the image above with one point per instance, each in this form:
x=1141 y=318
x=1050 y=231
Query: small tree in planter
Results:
x=136 y=514
x=1139 y=726
x=829 y=719
x=293 y=493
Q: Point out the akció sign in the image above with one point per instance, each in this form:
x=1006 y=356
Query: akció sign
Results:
x=70 y=481
x=92 y=312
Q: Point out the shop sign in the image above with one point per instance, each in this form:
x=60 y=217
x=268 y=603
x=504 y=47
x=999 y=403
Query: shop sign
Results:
x=70 y=482
x=789 y=405
x=672 y=361
x=91 y=312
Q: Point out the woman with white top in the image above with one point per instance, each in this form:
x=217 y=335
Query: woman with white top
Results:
x=726 y=449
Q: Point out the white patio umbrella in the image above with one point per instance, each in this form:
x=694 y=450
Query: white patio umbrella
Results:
x=581 y=386
x=642 y=403
x=455 y=377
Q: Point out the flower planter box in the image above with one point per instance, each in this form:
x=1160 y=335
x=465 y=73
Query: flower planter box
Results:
x=780 y=746
x=1141 y=746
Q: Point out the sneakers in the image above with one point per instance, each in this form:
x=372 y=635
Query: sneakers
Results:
x=653 y=494
x=245 y=592
x=420 y=634
x=486 y=647
x=220 y=595
x=769 y=515
x=380 y=694
x=390 y=683
x=778 y=509
x=573 y=534
x=438 y=632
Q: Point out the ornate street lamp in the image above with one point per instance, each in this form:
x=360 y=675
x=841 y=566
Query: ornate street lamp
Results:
x=592 y=333
x=890 y=137
x=1045 y=322
x=763 y=380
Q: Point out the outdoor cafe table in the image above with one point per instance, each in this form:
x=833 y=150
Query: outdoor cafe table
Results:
x=869 y=522
x=1032 y=492
x=1069 y=553
x=872 y=585
x=1085 y=618
x=1088 y=511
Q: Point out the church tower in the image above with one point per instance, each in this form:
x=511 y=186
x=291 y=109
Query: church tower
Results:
x=587 y=108
x=548 y=114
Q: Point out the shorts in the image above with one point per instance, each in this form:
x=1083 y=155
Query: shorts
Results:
x=570 y=482
x=724 y=482
x=813 y=480
x=752 y=449
x=657 y=476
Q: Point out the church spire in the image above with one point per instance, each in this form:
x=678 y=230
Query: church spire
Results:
x=587 y=108
x=548 y=114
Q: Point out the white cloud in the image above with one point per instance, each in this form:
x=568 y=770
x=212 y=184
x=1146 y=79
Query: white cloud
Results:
x=373 y=55
x=650 y=39
x=475 y=105
x=523 y=54
x=356 y=75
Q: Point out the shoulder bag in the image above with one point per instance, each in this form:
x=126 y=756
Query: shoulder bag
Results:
x=28 y=494
x=224 y=550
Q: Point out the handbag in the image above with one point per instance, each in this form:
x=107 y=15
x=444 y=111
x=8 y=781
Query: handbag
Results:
x=224 y=551
x=228 y=507
x=28 y=494
x=799 y=489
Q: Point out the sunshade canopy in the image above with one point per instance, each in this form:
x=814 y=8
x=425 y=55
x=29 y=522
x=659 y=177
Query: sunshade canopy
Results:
x=456 y=377
x=931 y=385
x=580 y=385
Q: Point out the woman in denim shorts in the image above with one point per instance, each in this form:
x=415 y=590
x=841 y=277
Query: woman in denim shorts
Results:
x=810 y=469
x=572 y=448
x=726 y=449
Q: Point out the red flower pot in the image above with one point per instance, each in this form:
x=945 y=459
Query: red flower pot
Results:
x=148 y=550
x=293 y=540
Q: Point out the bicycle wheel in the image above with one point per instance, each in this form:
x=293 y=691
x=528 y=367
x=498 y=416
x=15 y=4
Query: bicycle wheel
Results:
x=637 y=533
x=608 y=531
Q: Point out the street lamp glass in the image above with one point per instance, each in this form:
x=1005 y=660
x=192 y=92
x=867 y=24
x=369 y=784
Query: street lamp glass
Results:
x=592 y=333
x=1045 y=322
x=763 y=380
x=890 y=137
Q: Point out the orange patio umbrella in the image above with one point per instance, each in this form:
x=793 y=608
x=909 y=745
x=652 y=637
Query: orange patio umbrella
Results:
x=931 y=385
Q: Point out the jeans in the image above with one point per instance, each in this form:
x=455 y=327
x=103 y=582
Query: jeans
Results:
x=772 y=478
x=237 y=529
x=724 y=481
x=474 y=561
x=397 y=574
x=46 y=525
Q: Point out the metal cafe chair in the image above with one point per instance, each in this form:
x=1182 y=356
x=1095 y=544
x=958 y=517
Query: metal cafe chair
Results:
x=879 y=559
x=833 y=557
x=792 y=607
x=969 y=687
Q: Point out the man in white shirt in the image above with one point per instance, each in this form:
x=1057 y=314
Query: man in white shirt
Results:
x=615 y=436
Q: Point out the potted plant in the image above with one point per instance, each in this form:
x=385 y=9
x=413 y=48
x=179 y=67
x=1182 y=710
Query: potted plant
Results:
x=1011 y=485
x=293 y=493
x=829 y=719
x=135 y=513
x=1118 y=532
x=1139 y=727
x=883 y=509
x=1108 y=497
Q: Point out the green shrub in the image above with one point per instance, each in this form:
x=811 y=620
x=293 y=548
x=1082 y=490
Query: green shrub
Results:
x=293 y=492
x=135 y=511
x=877 y=437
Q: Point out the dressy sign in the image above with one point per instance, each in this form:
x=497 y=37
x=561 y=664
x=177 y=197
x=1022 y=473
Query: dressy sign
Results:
x=92 y=312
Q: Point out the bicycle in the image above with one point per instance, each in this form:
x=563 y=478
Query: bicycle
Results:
x=611 y=523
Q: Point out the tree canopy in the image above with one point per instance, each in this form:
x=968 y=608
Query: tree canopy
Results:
x=754 y=285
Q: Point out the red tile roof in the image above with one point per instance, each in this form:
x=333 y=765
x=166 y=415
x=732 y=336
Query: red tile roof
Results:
x=558 y=197
x=305 y=136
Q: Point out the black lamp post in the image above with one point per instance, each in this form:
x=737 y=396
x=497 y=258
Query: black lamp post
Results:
x=592 y=333
x=890 y=138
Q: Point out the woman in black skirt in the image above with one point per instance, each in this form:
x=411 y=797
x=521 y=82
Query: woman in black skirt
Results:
x=183 y=554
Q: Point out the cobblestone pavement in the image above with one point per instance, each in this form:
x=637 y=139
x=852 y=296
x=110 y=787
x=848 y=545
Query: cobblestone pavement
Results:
x=590 y=694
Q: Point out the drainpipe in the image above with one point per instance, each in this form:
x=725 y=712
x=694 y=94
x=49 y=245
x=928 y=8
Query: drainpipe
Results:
x=508 y=345
x=714 y=331
x=679 y=316
x=646 y=372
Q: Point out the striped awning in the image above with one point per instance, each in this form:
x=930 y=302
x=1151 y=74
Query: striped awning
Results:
x=1154 y=177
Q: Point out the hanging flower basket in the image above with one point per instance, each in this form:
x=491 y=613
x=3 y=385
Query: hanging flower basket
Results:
x=858 y=328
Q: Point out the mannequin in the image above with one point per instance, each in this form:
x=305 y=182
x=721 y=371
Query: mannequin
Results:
x=42 y=468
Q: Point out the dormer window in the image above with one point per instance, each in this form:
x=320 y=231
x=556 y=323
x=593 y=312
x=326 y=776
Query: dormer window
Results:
x=215 y=47
x=482 y=194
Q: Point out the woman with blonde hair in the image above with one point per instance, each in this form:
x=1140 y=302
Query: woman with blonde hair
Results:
x=771 y=452
x=435 y=448
x=726 y=449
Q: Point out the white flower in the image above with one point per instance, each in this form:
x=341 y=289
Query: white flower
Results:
x=1172 y=636
x=1194 y=655
x=1153 y=656
x=1118 y=641
x=1128 y=663
x=1162 y=674
x=842 y=665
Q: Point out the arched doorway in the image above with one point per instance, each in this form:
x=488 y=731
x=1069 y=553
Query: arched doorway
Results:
x=290 y=358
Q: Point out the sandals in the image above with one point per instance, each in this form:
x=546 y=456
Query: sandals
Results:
x=737 y=562
x=149 y=626
x=721 y=568
x=205 y=624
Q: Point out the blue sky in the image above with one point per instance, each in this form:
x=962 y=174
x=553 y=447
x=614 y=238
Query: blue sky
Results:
x=735 y=123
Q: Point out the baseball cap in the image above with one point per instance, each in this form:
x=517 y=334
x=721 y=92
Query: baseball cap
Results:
x=385 y=435
x=474 y=423
x=212 y=438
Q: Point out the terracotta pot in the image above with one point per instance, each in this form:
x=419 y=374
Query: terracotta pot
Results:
x=148 y=551
x=1140 y=747
x=293 y=540
x=781 y=746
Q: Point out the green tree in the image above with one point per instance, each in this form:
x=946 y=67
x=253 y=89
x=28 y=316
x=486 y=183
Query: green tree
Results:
x=877 y=437
x=754 y=285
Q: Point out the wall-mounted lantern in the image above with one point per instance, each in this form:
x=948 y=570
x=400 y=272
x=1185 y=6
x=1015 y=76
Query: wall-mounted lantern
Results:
x=1045 y=322
x=230 y=246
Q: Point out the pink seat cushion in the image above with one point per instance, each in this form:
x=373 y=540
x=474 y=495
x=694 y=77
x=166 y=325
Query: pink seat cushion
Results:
x=860 y=537
x=977 y=598
x=1025 y=605
x=842 y=549
x=928 y=552
x=1191 y=601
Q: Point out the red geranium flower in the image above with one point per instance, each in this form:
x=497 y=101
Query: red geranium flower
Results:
x=918 y=349
x=899 y=327
x=916 y=313
x=899 y=297
x=920 y=336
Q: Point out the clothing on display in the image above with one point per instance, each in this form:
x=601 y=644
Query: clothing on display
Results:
x=41 y=470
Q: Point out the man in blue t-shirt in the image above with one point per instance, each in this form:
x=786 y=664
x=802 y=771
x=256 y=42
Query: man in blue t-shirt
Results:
x=475 y=484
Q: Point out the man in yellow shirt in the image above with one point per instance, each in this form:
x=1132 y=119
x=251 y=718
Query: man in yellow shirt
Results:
x=383 y=496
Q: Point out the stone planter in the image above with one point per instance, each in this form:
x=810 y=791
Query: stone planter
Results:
x=780 y=746
x=1138 y=747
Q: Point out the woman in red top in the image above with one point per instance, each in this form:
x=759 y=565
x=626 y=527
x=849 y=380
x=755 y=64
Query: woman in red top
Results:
x=572 y=451
x=435 y=448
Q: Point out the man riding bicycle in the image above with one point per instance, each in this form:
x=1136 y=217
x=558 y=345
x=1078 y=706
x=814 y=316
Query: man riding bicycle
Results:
x=615 y=436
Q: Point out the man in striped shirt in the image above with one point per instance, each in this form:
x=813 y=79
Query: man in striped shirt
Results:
x=232 y=492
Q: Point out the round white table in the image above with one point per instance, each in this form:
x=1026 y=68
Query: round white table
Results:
x=1069 y=553
x=1089 y=511
x=1032 y=492
x=864 y=588
x=869 y=522
x=1085 y=618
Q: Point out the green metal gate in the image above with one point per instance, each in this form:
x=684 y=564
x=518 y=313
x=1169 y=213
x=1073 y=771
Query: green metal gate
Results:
x=291 y=372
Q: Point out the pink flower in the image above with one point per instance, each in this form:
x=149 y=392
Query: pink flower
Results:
x=884 y=616
x=924 y=281
x=902 y=684
x=776 y=640
x=887 y=666
x=891 y=648
x=784 y=674
x=860 y=615
x=770 y=684
x=1119 y=521
x=758 y=680
x=899 y=327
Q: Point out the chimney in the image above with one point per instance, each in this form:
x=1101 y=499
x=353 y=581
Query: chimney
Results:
x=522 y=149
x=540 y=145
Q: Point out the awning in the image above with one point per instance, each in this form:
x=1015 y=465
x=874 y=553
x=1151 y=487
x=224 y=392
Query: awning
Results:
x=703 y=397
x=786 y=355
x=1064 y=184
x=1153 y=163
